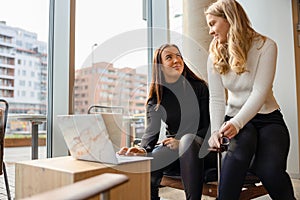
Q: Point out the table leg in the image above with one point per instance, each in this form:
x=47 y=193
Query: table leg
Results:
x=34 y=140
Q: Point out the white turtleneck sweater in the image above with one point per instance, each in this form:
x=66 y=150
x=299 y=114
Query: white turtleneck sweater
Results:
x=249 y=93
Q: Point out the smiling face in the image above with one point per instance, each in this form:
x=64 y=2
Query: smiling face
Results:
x=218 y=27
x=172 y=64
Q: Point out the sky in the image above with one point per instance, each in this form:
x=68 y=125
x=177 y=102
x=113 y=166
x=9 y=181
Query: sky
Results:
x=104 y=24
x=31 y=15
x=99 y=22
x=96 y=23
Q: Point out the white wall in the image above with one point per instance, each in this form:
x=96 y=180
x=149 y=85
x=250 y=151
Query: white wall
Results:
x=273 y=18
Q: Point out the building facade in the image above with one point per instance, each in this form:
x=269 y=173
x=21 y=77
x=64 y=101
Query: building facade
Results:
x=103 y=84
x=23 y=70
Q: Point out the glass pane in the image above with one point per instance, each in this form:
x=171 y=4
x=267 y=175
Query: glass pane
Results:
x=111 y=58
x=175 y=21
x=110 y=55
x=23 y=72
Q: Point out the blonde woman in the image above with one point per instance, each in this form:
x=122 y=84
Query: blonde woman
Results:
x=243 y=62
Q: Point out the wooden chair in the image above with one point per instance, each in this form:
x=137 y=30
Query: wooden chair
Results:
x=252 y=186
x=85 y=189
x=3 y=120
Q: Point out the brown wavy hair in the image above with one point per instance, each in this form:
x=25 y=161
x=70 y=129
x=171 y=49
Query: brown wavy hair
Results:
x=158 y=79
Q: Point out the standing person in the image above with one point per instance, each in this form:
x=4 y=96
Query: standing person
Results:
x=243 y=62
x=180 y=99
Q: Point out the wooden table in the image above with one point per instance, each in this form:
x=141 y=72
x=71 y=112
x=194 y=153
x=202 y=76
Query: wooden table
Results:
x=36 y=176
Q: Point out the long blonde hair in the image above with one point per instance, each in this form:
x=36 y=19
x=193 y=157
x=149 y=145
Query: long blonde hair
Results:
x=239 y=38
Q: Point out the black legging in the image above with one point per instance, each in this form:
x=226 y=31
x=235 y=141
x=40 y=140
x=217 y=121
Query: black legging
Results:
x=265 y=137
x=189 y=165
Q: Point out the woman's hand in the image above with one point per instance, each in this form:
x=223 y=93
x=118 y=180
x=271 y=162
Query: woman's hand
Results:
x=172 y=143
x=122 y=151
x=132 y=151
x=228 y=130
x=214 y=140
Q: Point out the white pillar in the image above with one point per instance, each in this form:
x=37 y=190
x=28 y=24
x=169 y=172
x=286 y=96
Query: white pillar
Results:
x=197 y=39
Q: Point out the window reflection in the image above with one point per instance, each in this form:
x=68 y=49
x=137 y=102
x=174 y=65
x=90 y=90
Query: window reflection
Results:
x=175 y=21
x=23 y=64
x=111 y=55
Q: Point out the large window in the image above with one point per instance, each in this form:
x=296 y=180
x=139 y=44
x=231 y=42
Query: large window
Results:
x=110 y=55
x=23 y=64
x=175 y=21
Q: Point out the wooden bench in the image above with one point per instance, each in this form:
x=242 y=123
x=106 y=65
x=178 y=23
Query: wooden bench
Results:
x=252 y=186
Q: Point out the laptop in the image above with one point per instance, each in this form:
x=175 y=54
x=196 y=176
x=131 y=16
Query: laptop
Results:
x=95 y=137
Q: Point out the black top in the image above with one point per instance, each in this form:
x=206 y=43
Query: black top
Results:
x=184 y=108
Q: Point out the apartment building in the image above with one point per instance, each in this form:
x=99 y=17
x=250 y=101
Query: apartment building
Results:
x=23 y=70
x=106 y=85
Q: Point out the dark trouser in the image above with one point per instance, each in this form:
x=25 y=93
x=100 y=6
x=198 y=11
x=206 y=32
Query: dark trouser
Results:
x=267 y=138
x=185 y=161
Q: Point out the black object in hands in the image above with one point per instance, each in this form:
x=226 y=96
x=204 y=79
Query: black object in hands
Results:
x=224 y=143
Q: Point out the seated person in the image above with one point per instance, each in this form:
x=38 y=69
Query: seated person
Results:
x=243 y=62
x=179 y=98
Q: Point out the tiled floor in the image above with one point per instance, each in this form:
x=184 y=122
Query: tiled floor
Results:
x=13 y=155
